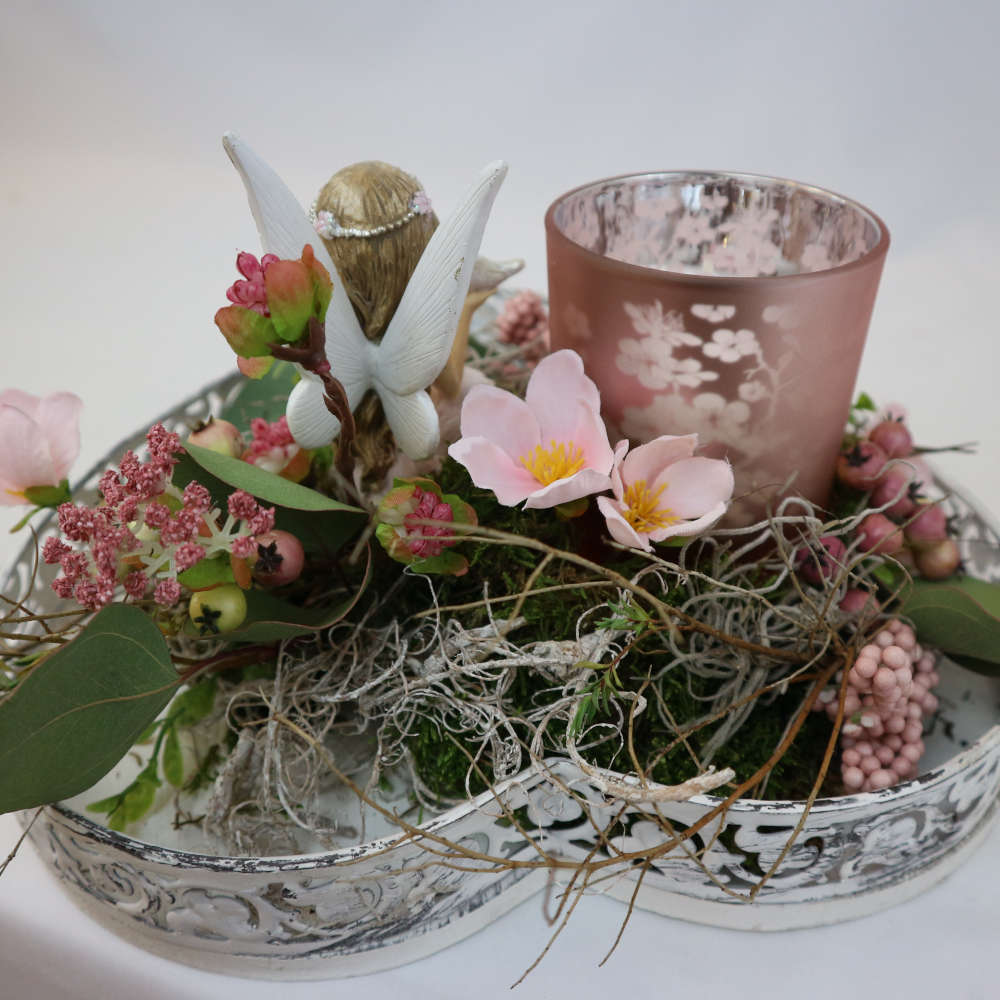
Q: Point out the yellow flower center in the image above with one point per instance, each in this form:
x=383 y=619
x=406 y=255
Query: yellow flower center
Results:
x=558 y=461
x=644 y=512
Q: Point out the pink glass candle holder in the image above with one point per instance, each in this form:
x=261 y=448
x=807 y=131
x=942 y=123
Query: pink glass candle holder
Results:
x=730 y=305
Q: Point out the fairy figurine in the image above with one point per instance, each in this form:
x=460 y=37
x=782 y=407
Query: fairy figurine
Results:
x=403 y=283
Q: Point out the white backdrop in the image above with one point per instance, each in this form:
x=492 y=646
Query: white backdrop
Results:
x=120 y=218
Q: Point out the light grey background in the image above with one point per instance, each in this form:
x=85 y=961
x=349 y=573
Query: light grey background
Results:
x=120 y=217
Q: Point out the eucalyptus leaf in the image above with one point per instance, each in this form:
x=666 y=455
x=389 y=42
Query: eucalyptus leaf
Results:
x=960 y=616
x=80 y=710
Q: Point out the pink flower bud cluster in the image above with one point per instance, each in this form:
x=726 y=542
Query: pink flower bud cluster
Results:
x=424 y=540
x=251 y=293
x=889 y=694
x=272 y=447
x=524 y=321
x=146 y=531
x=911 y=527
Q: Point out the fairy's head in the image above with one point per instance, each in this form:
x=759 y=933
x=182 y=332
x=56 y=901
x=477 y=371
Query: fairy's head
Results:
x=375 y=220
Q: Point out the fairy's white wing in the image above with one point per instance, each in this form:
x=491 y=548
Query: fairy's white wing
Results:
x=418 y=341
x=284 y=230
x=310 y=422
x=414 y=422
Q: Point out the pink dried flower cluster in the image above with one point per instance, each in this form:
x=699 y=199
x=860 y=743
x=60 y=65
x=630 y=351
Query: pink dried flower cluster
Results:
x=425 y=540
x=524 y=321
x=889 y=693
x=146 y=531
x=273 y=446
x=251 y=293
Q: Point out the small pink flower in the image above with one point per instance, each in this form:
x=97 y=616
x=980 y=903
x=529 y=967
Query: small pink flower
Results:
x=251 y=293
x=549 y=448
x=39 y=441
x=661 y=489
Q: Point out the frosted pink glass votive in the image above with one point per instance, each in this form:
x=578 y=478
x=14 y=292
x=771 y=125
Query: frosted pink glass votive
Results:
x=729 y=305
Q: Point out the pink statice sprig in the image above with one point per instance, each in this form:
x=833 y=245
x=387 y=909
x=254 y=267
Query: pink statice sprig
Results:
x=147 y=531
x=414 y=526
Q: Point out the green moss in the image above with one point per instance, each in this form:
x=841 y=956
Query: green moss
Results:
x=439 y=756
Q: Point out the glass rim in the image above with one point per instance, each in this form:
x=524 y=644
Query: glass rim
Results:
x=555 y=234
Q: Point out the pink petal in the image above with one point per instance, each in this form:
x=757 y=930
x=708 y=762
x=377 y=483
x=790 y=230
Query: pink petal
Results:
x=24 y=453
x=59 y=417
x=556 y=381
x=500 y=417
x=616 y=470
x=650 y=460
x=22 y=401
x=582 y=484
x=692 y=528
x=491 y=468
x=695 y=485
x=591 y=437
x=619 y=529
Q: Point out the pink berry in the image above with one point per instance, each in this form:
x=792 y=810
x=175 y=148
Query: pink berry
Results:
x=912 y=732
x=928 y=525
x=853 y=778
x=892 y=437
x=906 y=639
x=279 y=558
x=895 y=491
x=218 y=435
x=851 y=757
x=893 y=656
x=884 y=679
x=885 y=755
x=929 y=703
x=821 y=562
x=869 y=764
x=877 y=533
x=894 y=741
x=939 y=561
x=881 y=779
x=884 y=640
x=911 y=753
x=866 y=666
x=856 y=601
x=860 y=467
x=902 y=767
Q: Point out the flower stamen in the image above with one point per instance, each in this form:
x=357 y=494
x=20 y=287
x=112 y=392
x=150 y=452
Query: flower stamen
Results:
x=559 y=461
x=644 y=512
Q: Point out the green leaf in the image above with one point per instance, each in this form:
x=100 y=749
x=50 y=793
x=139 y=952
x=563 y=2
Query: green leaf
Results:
x=173 y=760
x=48 y=496
x=265 y=486
x=960 y=616
x=80 y=710
x=248 y=333
x=864 y=402
x=208 y=573
x=320 y=523
x=195 y=703
x=265 y=397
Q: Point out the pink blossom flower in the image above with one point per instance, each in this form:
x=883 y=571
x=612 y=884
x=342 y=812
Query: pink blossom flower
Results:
x=251 y=293
x=549 y=448
x=662 y=489
x=39 y=441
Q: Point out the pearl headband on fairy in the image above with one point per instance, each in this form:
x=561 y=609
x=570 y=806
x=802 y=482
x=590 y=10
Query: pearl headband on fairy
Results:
x=326 y=224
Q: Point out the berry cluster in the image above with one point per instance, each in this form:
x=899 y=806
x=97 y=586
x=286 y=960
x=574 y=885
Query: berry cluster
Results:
x=525 y=322
x=147 y=531
x=911 y=528
x=889 y=694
